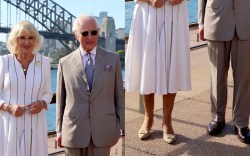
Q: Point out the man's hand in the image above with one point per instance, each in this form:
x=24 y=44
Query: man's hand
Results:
x=201 y=34
x=59 y=141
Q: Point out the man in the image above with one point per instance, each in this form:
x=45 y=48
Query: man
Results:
x=225 y=24
x=90 y=95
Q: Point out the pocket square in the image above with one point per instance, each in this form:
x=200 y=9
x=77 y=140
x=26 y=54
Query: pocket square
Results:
x=108 y=67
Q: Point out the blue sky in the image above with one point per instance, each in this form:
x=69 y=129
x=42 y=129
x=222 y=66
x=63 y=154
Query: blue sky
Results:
x=115 y=9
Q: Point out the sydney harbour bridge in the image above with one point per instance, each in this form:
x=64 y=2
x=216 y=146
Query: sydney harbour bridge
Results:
x=51 y=19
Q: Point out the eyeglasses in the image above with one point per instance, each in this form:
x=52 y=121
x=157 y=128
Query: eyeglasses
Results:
x=92 y=32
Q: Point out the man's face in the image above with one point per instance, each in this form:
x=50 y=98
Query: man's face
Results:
x=88 y=35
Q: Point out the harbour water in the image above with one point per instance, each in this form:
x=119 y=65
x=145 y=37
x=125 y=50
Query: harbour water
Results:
x=51 y=113
x=129 y=6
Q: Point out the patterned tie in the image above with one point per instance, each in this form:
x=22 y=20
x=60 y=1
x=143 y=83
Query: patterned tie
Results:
x=89 y=70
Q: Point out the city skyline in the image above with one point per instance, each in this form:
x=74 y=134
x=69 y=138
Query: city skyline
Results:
x=91 y=7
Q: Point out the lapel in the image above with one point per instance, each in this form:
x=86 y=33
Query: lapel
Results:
x=99 y=61
x=79 y=67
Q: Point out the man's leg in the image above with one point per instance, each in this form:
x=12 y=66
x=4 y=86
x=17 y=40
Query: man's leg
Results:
x=97 y=151
x=241 y=98
x=75 y=151
x=241 y=73
x=219 y=54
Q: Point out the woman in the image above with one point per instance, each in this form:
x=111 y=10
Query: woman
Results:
x=157 y=58
x=25 y=92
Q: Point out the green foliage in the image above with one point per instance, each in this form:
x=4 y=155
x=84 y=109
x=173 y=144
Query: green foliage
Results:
x=59 y=54
x=121 y=53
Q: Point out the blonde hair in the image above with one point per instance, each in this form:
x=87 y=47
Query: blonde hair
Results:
x=79 y=21
x=27 y=27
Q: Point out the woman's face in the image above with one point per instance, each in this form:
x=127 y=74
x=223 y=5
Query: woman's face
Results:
x=25 y=43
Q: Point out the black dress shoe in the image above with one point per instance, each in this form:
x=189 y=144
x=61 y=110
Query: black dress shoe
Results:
x=215 y=127
x=243 y=134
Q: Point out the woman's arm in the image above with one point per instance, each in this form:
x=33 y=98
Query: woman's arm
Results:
x=42 y=103
x=47 y=92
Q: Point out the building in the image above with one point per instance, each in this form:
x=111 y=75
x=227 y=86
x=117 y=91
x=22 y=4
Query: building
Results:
x=120 y=33
x=108 y=32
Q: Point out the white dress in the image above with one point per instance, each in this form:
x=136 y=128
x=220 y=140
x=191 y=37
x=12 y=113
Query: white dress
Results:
x=157 y=56
x=25 y=135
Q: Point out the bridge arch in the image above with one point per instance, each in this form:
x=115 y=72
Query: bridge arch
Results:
x=53 y=17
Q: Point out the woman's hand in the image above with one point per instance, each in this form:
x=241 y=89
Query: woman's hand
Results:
x=175 y=2
x=156 y=3
x=16 y=110
x=35 y=107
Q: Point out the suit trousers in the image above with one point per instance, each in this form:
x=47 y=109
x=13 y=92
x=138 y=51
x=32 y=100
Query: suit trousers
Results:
x=220 y=53
x=91 y=150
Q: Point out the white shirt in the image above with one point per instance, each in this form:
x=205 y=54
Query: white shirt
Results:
x=85 y=57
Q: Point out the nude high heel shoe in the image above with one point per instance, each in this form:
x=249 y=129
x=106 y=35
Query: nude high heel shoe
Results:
x=143 y=134
x=144 y=131
x=168 y=138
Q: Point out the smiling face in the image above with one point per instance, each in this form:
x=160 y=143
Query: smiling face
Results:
x=87 y=35
x=25 y=43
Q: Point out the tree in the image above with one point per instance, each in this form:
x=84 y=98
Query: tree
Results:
x=59 y=54
x=121 y=53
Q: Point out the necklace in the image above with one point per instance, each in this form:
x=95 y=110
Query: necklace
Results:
x=25 y=62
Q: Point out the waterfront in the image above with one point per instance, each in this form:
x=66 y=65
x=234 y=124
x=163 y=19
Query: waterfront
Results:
x=129 y=7
x=51 y=113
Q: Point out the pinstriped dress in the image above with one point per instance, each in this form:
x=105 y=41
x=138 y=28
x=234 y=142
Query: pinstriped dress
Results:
x=157 y=55
x=25 y=135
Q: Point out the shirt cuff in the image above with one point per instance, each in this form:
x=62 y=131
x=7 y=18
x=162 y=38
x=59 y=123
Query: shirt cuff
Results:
x=58 y=133
x=201 y=25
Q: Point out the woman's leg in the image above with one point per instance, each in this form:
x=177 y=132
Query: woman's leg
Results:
x=149 y=110
x=168 y=105
x=148 y=116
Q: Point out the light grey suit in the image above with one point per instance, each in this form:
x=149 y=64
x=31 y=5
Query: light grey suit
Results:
x=83 y=115
x=222 y=17
x=227 y=30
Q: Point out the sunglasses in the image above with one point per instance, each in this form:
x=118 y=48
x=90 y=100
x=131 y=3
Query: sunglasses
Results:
x=92 y=32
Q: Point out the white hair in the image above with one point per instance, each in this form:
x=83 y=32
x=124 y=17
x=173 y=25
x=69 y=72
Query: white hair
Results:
x=79 y=21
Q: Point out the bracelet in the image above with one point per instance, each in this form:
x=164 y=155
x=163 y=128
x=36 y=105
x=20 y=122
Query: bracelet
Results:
x=41 y=101
x=44 y=104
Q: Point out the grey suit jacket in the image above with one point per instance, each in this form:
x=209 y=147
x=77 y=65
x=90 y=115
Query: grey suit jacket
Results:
x=81 y=114
x=222 y=17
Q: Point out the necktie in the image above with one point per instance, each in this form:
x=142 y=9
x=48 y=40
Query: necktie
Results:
x=89 y=70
